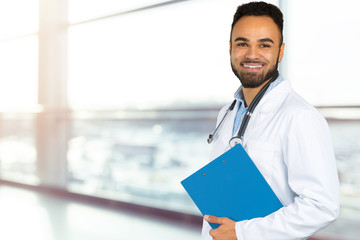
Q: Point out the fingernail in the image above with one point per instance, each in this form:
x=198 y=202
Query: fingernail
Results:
x=206 y=217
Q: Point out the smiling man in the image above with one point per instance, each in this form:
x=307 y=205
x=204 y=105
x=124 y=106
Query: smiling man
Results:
x=288 y=140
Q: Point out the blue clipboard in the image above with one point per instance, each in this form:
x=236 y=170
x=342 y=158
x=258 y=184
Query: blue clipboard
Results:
x=231 y=186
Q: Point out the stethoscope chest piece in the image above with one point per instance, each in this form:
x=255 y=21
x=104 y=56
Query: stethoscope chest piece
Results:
x=234 y=141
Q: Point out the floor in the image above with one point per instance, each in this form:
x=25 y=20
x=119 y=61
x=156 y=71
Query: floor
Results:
x=25 y=214
x=28 y=215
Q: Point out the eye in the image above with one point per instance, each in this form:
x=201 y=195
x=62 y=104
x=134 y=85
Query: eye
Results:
x=242 y=44
x=264 y=45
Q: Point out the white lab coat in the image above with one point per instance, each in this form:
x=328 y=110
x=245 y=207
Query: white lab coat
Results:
x=290 y=143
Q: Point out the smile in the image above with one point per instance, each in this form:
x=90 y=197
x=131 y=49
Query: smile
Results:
x=252 y=66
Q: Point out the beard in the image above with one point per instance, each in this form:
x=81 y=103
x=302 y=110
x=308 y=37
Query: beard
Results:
x=251 y=79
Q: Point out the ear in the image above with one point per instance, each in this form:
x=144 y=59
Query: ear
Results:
x=281 y=53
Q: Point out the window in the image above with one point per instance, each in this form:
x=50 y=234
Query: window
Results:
x=146 y=70
x=18 y=89
x=320 y=50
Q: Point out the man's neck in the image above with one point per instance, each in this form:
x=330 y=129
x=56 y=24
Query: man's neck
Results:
x=250 y=93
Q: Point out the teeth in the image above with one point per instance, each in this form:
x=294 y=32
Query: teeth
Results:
x=251 y=66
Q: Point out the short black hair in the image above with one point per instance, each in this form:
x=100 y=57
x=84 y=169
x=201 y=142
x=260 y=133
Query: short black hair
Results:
x=260 y=9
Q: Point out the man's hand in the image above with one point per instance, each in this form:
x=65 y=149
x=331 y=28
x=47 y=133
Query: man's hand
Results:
x=226 y=231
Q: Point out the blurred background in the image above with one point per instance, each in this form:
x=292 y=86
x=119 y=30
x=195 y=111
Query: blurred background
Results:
x=106 y=105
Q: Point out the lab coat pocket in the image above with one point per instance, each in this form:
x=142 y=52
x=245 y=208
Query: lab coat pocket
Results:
x=263 y=155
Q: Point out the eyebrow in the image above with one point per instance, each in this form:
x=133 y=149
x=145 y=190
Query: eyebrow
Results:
x=266 y=40
x=260 y=40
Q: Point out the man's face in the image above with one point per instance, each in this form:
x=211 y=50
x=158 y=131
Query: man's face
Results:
x=255 y=50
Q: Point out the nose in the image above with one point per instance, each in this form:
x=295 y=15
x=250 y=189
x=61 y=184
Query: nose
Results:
x=252 y=53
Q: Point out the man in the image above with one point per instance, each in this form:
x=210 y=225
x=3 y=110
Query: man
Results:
x=287 y=139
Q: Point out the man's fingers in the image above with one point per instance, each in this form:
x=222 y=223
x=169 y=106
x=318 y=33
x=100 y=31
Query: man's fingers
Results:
x=213 y=219
x=213 y=233
x=226 y=229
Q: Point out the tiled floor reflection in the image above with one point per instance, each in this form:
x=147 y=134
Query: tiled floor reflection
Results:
x=28 y=215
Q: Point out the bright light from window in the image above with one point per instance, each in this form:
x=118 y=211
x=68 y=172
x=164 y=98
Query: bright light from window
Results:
x=98 y=8
x=18 y=17
x=157 y=57
x=18 y=54
x=18 y=75
x=321 y=53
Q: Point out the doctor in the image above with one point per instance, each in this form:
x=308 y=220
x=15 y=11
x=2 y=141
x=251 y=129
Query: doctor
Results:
x=287 y=138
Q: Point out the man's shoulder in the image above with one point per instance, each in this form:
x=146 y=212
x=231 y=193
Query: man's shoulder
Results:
x=290 y=103
x=295 y=102
x=296 y=107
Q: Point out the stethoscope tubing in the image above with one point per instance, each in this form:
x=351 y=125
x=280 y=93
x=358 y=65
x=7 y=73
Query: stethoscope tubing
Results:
x=211 y=136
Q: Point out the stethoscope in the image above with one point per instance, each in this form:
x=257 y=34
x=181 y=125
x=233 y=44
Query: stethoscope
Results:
x=239 y=138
